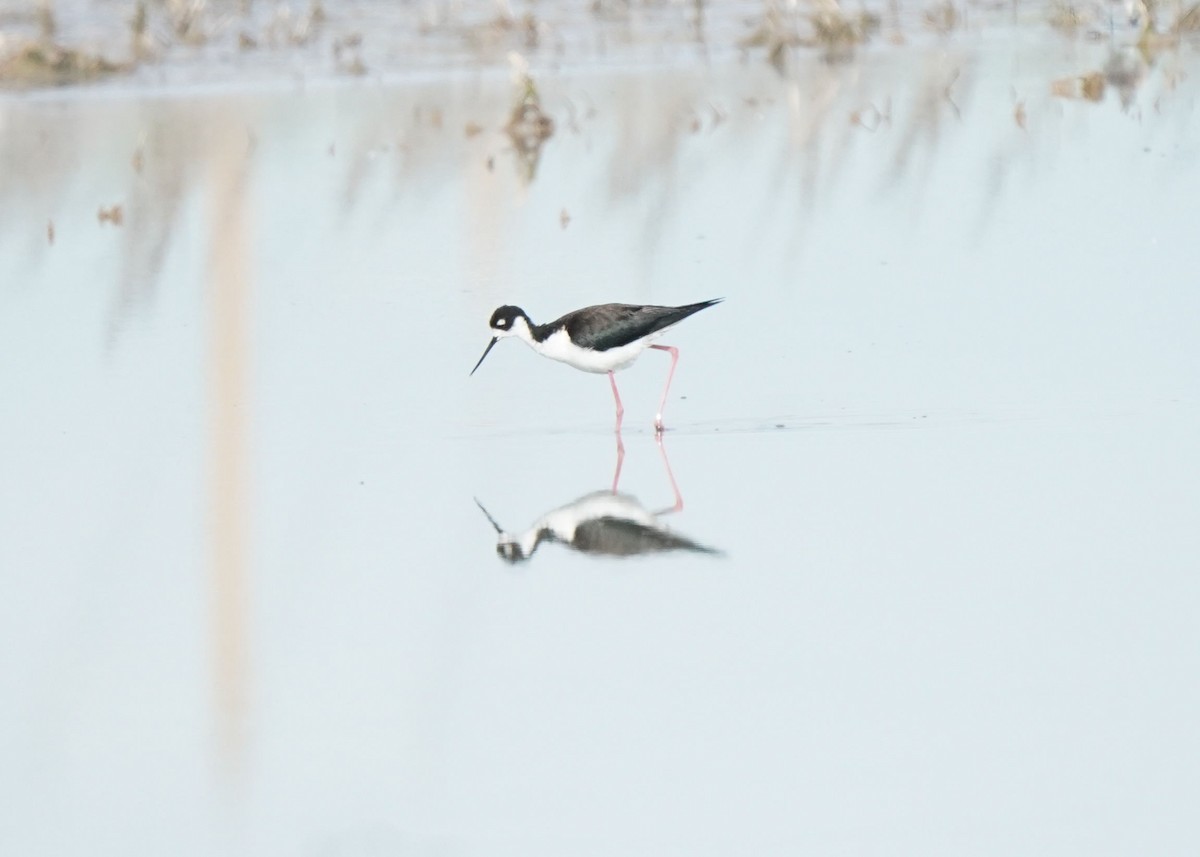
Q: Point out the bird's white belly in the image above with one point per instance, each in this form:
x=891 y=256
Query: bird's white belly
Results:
x=564 y=521
x=558 y=346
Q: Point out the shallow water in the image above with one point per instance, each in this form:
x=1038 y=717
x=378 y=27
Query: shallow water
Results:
x=942 y=431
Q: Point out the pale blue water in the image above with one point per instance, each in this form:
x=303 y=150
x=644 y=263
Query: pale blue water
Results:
x=943 y=429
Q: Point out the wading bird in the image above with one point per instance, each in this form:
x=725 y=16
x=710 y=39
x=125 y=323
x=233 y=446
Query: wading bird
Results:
x=600 y=339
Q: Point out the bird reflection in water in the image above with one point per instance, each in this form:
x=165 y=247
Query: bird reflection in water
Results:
x=602 y=523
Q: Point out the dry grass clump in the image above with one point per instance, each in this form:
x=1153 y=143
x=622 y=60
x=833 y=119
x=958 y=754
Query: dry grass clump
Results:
x=832 y=30
x=1067 y=17
x=46 y=63
x=839 y=34
x=528 y=127
x=1088 y=86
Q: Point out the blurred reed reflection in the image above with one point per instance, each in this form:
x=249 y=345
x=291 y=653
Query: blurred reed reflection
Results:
x=180 y=146
x=889 y=120
x=602 y=523
x=229 y=269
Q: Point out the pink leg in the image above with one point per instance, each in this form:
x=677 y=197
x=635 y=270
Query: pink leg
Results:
x=620 y=461
x=658 y=420
x=620 y=409
x=678 y=507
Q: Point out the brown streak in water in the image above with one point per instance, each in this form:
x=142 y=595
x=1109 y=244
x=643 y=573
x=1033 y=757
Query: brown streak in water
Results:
x=228 y=289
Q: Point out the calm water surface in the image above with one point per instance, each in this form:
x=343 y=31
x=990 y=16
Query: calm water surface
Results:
x=942 y=432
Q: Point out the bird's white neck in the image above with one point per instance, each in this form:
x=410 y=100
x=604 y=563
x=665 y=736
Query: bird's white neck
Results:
x=526 y=542
x=523 y=331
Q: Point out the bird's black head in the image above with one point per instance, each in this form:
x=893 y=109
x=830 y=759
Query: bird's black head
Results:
x=506 y=320
x=505 y=317
x=510 y=552
x=507 y=548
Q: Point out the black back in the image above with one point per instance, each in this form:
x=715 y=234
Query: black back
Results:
x=608 y=326
x=620 y=537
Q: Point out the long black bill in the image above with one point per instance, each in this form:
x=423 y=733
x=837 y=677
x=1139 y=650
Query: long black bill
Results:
x=499 y=531
x=485 y=353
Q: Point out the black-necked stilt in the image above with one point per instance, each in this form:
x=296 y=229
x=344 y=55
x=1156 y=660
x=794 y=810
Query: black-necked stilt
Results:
x=603 y=523
x=600 y=339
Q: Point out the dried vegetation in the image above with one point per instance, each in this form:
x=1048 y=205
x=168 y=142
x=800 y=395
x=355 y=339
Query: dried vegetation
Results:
x=825 y=27
x=39 y=58
x=528 y=127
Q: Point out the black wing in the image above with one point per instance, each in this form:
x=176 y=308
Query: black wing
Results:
x=613 y=325
x=621 y=537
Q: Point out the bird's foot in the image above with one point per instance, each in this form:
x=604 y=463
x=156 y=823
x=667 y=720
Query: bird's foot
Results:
x=658 y=425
